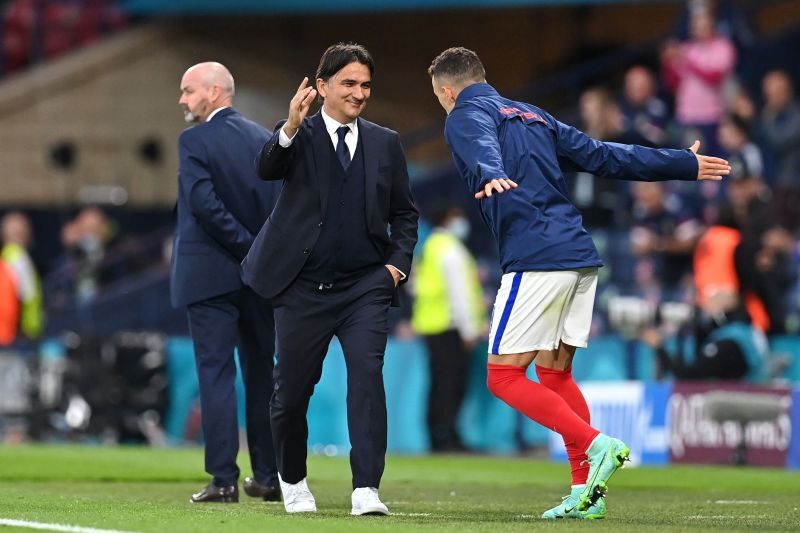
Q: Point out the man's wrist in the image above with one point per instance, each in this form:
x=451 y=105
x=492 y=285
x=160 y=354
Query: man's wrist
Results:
x=400 y=274
x=286 y=136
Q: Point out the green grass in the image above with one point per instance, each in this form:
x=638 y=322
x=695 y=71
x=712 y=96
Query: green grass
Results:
x=140 y=489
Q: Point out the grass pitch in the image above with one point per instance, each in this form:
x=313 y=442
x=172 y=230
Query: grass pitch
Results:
x=147 y=490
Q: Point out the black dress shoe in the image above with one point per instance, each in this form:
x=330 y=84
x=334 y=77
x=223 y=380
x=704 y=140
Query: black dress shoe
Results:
x=257 y=490
x=214 y=494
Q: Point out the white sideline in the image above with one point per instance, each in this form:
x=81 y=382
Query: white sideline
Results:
x=56 y=527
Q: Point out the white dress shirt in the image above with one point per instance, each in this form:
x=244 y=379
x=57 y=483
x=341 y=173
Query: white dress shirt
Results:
x=211 y=115
x=350 y=139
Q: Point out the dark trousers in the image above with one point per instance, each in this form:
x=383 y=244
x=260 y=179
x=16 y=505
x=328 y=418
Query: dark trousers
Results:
x=449 y=364
x=237 y=319
x=306 y=319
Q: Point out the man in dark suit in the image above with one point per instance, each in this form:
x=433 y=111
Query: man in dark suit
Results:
x=331 y=256
x=221 y=206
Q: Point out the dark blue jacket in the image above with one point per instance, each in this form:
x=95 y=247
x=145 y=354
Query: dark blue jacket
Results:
x=536 y=225
x=283 y=245
x=222 y=205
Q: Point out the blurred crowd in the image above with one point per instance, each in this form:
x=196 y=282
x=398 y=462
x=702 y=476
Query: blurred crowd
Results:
x=687 y=241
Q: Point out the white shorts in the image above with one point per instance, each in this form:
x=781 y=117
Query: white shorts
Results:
x=536 y=310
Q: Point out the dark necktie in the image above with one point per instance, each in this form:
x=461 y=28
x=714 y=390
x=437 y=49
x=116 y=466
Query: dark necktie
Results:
x=342 y=152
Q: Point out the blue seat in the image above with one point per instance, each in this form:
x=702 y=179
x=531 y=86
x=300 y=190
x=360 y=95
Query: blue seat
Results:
x=789 y=346
x=184 y=388
x=644 y=361
x=603 y=360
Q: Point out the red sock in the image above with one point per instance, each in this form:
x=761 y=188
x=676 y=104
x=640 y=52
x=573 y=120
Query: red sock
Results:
x=561 y=382
x=539 y=403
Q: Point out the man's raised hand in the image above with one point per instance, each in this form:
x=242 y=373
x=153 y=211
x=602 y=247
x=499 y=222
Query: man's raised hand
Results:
x=709 y=168
x=298 y=107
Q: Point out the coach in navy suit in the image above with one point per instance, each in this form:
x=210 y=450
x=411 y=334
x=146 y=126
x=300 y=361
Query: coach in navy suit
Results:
x=331 y=256
x=221 y=206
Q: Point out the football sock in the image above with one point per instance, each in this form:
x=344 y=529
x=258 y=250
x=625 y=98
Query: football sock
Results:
x=539 y=403
x=561 y=382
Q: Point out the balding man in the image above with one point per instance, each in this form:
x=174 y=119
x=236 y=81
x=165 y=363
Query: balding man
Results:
x=221 y=207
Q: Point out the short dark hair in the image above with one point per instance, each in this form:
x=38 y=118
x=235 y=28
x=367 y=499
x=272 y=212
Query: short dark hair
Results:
x=459 y=65
x=339 y=55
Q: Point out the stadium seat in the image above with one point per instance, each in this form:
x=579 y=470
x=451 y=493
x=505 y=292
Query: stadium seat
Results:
x=603 y=360
x=183 y=386
x=787 y=346
x=644 y=361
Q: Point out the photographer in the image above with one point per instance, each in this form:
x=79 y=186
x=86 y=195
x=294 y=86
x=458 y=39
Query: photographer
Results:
x=726 y=345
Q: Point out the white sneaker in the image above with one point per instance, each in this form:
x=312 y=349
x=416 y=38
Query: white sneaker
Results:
x=366 y=501
x=297 y=498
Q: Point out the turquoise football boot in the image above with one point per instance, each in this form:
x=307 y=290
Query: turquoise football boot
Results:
x=606 y=456
x=569 y=508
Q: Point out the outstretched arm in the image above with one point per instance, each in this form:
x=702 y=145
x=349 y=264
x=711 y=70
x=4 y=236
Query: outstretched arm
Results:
x=633 y=162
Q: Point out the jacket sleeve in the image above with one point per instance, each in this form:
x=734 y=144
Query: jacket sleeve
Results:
x=403 y=214
x=623 y=161
x=272 y=162
x=204 y=203
x=472 y=136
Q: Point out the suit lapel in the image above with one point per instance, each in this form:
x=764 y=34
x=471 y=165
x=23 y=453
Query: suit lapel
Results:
x=321 y=143
x=368 y=149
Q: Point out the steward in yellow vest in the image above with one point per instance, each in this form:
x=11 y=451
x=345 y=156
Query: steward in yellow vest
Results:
x=449 y=313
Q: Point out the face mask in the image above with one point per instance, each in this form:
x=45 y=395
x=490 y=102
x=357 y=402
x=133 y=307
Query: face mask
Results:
x=459 y=228
x=89 y=244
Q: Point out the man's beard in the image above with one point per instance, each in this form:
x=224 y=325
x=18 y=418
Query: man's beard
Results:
x=189 y=117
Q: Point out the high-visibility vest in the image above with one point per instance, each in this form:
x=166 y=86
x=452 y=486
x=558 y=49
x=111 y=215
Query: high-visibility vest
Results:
x=31 y=311
x=431 y=312
x=9 y=306
x=715 y=270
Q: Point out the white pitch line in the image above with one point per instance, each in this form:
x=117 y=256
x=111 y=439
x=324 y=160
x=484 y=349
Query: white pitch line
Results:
x=56 y=527
x=724 y=516
x=738 y=502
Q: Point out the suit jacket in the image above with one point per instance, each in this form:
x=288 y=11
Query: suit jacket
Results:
x=284 y=243
x=221 y=206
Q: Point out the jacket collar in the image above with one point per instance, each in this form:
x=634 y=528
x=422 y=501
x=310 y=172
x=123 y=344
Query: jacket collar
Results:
x=476 y=89
x=316 y=121
x=222 y=112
